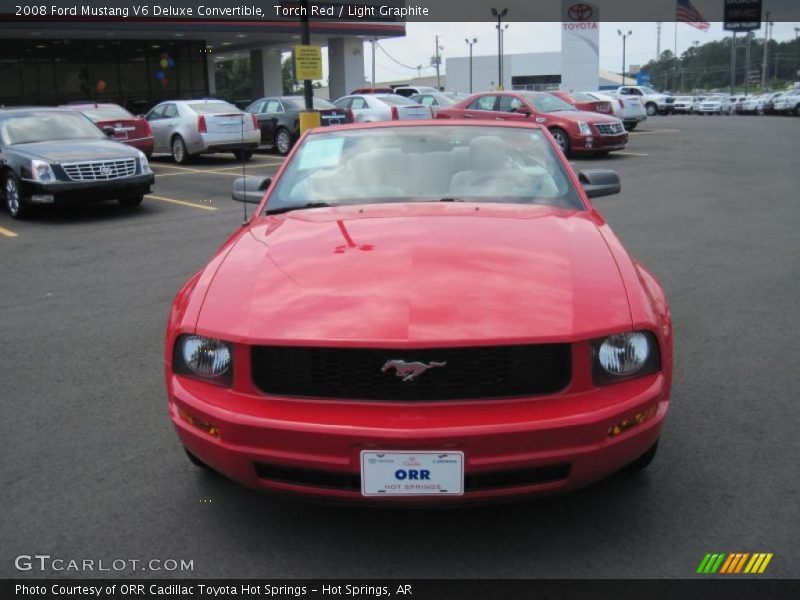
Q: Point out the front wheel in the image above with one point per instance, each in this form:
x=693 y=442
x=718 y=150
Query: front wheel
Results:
x=15 y=203
x=562 y=139
x=644 y=460
x=651 y=109
x=630 y=126
x=135 y=200
x=283 y=141
x=243 y=155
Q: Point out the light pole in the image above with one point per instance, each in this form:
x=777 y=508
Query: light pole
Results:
x=437 y=62
x=624 y=37
x=470 y=44
x=499 y=14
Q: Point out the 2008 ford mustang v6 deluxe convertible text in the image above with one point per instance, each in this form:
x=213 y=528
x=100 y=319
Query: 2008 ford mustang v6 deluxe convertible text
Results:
x=422 y=312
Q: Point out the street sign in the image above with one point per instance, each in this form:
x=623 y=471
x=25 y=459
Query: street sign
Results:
x=308 y=62
x=643 y=78
x=742 y=15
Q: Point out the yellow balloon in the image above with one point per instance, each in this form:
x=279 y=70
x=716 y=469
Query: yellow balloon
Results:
x=164 y=63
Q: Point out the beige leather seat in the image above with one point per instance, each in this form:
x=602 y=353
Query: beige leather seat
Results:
x=490 y=172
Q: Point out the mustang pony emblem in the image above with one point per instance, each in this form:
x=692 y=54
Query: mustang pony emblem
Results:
x=410 y=371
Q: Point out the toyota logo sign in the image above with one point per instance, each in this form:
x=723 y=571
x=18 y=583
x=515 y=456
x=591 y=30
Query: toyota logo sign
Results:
x=580 y=12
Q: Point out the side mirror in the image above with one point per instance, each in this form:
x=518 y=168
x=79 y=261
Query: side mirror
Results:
x=109 y=131
x=250 y=189
x=525 y=111
x=599 y=182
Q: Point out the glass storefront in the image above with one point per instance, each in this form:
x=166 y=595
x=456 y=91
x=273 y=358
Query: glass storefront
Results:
x=133 y=73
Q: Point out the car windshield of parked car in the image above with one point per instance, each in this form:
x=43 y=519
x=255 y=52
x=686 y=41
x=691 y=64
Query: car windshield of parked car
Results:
x=648 y=91
x=425 y=164
x=683 y=99
x=46 y=127
x=106 y=113
x=581 y=97
x=213 y=108
x=547 y=103
x=300 y=103
x=396 y=100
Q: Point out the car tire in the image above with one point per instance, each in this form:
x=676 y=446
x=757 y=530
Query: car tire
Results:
x=283 y=141
x=135 y=200
x=243 y=155
x=14 y=201
x=562 y=139
x=630 y=126
x=180 y=154
x=651 y=108
x=641 y=463
x=196 y=461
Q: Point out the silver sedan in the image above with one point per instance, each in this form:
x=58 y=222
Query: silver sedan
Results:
x=187 y=128
x=368 y=108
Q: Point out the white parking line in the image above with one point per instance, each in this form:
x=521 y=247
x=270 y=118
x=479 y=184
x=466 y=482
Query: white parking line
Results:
x=181 y=202
x=626 y=153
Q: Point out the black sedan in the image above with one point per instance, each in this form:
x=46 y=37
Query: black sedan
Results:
x=279 y=119
x=58 y=156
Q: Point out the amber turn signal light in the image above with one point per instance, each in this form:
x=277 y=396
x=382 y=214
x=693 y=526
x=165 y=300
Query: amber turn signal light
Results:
x=636 y=419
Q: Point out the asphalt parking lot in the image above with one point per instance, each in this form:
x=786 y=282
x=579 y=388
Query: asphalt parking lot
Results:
x=92 y=468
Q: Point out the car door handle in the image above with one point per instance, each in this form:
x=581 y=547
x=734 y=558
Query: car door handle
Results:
x=469 y=116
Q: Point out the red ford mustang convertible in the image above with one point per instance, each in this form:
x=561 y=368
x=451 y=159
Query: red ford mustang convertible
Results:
x=421 y=313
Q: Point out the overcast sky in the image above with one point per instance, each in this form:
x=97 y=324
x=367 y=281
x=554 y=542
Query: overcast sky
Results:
x=418 y=45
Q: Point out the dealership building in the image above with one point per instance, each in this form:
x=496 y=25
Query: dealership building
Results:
x=138 y=62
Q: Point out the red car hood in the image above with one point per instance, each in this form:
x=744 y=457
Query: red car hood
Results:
x=585 y=115
x=417 y=274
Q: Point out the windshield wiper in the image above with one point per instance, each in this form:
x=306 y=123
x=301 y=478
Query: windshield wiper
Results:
x=451 y=200
x=284 y=209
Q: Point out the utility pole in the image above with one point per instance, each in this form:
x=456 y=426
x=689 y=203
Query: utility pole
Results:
x=733 y=64
x=499 y=14
x=658 y=39
x=438 y=60
x=373 y=63
x=470 y=44
x=764 y=54
x=748 y=37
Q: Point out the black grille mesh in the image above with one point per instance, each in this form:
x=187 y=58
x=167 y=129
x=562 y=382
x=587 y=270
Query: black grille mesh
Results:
x=356 y=373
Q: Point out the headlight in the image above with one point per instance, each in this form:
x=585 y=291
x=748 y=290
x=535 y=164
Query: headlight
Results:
x=584 y=128
x=42 y=171
x=624 y=355
x=204 y=357
x=144 y=163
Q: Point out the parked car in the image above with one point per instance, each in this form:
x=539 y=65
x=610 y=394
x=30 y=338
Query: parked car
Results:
x=279 y=119
x=412 y=90
x=768 y=105
x=628 y=109
x=737 y=104
x=373 y=90
x=788 y=103
x=437 y=100
x=753 y=104
x=188 y=128
x=653 y=101
x=582 y=101
x=422 y=312
x=714 y=104
x=684 y=105
x=119 y=124
x=369 y=108
x=59 y=156
x=574 y=130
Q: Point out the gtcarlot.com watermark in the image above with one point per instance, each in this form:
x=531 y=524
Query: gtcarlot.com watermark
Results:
x=45 y=563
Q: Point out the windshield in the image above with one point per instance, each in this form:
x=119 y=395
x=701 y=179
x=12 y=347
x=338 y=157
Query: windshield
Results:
x=300 y=103
x=582 y=97
x=106 y=113
x=46 y=127
x=547 y=103
x=425 y=164
x=213 y=108
x=648 y=90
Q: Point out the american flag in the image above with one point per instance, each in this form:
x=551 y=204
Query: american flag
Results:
x=687 y=13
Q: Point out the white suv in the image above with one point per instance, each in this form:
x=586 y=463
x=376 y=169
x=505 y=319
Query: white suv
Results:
x=788 y=102
x=653 y=101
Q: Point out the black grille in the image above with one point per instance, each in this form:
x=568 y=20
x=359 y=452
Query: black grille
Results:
x=473 y=482
x=356 y=373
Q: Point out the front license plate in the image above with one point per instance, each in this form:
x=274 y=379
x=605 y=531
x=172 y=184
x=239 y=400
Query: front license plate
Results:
x=412 y=473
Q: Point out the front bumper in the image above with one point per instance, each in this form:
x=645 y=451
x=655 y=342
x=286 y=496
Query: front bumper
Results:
x=598 y=143
x=512 y=448
x=73 y=192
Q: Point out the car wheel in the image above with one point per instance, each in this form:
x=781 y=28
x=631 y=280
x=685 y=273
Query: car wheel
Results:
x=651 y=109
x=244 y=155
x=131 y=200
x=630 y=126
x=12 y=192
x=644 y=460
x=562 y=139
x=179 y=152
x=283 y=141
x=196 y=461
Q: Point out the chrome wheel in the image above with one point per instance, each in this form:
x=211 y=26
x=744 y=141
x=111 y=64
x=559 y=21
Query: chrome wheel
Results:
x=12 y=194
x=651 y=110
x=561 y=139
x=178 y=150
x=283 y=142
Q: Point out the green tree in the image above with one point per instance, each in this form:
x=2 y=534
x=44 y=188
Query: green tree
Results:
x=234 y=80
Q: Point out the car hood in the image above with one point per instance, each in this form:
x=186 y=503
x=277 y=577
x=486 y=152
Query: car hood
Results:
x=75 y=150
x=585 y=115
x=424 y=273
